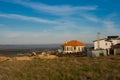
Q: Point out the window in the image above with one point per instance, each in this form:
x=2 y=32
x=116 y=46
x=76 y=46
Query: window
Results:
x=79 y=48
x=74 y=47
x=106 y=44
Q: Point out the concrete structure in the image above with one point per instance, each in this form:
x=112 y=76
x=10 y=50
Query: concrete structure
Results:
x=73 y=46
x=97 y=53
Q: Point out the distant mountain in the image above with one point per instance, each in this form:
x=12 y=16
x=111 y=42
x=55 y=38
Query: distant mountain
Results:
x=90 y=45
x=41 y=46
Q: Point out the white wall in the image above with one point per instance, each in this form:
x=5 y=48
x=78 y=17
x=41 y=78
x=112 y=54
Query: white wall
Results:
x=73 y=49
x=105 y=44
x=115 y=41
x=102 y=44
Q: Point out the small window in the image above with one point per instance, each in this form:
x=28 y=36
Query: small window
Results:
x=74 y=47
x=106 y=44
x=80 y=49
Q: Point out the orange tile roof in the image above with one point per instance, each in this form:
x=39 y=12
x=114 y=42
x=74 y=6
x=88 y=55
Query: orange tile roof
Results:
x=74 y=43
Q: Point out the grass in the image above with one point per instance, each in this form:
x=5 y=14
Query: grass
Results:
x=64 y=68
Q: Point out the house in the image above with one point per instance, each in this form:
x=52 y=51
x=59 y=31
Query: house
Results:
x=116 y=49
x=106 y=43
x=102 y=44
x=73 y=46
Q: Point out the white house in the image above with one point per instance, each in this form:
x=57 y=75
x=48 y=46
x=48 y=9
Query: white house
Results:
x=102 y=44
x=73 y=46
x=106 y=43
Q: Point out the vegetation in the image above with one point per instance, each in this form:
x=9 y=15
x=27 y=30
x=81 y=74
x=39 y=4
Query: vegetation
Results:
x=63 y=68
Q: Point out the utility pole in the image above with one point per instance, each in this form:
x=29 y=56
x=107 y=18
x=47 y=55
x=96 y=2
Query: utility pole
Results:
x=98 y=40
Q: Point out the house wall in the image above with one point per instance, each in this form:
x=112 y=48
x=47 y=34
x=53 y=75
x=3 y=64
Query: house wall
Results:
x=73 y=49
x=102 y=44
x=115 y=41
x=105 y=44
x=117 y=51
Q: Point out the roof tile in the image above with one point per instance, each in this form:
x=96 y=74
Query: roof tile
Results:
x=74 y=43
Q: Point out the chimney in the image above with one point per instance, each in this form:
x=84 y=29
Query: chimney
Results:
x=98 y=40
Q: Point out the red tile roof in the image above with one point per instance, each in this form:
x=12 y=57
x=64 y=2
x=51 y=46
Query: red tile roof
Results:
x=74 y=43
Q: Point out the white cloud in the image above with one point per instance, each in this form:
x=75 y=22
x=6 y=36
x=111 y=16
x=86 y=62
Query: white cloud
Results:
x=91 y=17
x=109 y=24
x=111 y=27
x=67 y=26
x=63 y=30
x=59 y=10
x=27 y=18
x=54 y=9
x=10 y=37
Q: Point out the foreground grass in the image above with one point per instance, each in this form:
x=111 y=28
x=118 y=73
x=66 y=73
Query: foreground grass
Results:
x=70 y=68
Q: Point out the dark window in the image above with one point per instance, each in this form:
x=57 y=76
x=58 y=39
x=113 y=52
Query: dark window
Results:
x=74 y=47
x=106 y=44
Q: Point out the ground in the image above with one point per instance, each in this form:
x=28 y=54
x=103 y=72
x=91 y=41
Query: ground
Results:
x=63 y=68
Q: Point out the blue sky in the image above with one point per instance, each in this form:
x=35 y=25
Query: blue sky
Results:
x=57 y=21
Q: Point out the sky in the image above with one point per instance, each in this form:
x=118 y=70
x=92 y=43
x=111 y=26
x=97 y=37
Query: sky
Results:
x=57 y=21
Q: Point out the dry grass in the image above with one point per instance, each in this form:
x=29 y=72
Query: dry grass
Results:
x=70 y=68
x=23 y=58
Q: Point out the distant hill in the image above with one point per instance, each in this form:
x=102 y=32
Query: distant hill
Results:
x=34 y=46
x=41 y=46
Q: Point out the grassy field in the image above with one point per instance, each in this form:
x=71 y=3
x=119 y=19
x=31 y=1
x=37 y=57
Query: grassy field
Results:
x=69 y=68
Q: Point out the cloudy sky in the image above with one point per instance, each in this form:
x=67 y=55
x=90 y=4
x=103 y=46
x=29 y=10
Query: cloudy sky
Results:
x=56 y=21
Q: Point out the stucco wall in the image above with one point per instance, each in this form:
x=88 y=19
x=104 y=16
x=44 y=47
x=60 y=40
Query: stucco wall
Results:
x=105 y=44
x=115 y=41
x=102 y=44
x=73 y=49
